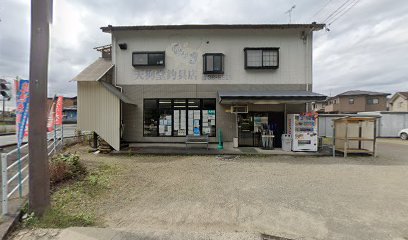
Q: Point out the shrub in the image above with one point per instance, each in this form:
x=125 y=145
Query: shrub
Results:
x=64 y=167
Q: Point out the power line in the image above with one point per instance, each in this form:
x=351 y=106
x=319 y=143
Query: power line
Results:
x=344 y=12
x=337 y=10
x=320 y=10
x=344 y=9
x=332 y=6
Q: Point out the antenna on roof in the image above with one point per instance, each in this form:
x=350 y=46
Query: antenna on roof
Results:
x=289 y=12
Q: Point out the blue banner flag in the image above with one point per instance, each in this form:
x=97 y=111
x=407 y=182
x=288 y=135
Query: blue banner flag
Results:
x=23 y=104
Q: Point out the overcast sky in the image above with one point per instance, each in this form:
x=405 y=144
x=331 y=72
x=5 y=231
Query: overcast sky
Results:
x=365 y=49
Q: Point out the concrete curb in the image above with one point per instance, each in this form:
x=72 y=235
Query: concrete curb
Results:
x=9 y=223
x=123 y=153
x=7 y=134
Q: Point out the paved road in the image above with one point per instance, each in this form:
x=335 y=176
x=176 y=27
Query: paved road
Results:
x=69 y=131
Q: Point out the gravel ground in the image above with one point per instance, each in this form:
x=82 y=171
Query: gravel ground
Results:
x=205 y=197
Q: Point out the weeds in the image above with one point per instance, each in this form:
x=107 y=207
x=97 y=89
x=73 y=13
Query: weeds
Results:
x=72 y=204
x=57 y=218
x=64 y=167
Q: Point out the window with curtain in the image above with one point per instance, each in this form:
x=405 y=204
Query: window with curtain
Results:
x=213 y=63
x=261 y=58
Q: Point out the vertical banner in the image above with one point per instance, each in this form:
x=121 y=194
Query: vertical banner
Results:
x=58 y=111
x=23 y=104
x=50 y=122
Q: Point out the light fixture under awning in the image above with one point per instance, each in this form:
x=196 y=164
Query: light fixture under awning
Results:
x=268 y=97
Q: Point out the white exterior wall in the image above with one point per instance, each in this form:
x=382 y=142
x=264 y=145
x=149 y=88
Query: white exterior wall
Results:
x=184 y=61
x=99 y=111
x=399 y=105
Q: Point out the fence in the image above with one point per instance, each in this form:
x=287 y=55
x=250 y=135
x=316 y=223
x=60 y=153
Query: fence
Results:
x=16 y=162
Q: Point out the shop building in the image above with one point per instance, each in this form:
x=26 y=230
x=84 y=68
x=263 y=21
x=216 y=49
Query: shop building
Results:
x=157 y=84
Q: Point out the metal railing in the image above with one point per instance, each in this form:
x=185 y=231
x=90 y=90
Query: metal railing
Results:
x=17 y=167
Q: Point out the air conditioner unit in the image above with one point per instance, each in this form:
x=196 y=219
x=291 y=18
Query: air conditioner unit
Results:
x=239 y=109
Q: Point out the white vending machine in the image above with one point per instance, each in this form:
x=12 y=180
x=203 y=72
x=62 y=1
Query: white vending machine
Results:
x=303 y=130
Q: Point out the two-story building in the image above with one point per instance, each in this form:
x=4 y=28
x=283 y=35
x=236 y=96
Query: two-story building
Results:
x=160 y=83
x=399 y=102
x=356 y=101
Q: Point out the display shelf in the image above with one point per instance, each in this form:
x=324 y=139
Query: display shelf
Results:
x=354 y=135
x=355 y=150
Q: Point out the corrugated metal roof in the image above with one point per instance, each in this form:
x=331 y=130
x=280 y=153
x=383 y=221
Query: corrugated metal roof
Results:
x=95 y=71
x=313 y=26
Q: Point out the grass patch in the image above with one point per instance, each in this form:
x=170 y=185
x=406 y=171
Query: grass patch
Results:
x=73 y=203
x=327 y=141
x=57 y=218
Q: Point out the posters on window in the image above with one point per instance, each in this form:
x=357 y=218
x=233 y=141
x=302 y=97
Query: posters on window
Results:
x=165 y=125
x=209 y=122
x=179 y=122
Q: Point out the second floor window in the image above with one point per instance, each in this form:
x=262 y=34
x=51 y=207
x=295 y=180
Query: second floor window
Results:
x=148 y=58
x=213 y=63
x=261 y=58
x=372 y=101
x=351 y=100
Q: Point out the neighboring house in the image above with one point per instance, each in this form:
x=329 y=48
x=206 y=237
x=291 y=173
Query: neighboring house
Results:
x=69 y=109
x=160 y=83
x=318 y=106
x=356 y=101
x=399 y=102
x=68 y=102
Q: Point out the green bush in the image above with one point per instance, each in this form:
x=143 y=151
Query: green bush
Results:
x=64 y=167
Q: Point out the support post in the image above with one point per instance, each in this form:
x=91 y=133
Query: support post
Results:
x=4 y=180
x=95 y=140
x=55 y=133
x=375 y=139
x=62 y=135
x=39 y=179
x=334 y=139
x=20 y=176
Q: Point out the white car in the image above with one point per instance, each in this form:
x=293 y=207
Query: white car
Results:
x=403 y=134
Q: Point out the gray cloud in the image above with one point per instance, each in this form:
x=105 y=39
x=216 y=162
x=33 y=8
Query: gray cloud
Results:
x=365 y=49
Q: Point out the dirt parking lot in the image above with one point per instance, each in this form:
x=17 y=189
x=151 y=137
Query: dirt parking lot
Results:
x=165 y=197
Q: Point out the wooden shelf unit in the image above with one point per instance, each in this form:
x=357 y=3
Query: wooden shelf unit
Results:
x=354 y=135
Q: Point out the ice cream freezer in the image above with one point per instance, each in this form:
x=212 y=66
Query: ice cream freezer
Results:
x=303 y=131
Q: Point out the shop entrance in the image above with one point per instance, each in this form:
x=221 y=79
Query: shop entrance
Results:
x=251 y=126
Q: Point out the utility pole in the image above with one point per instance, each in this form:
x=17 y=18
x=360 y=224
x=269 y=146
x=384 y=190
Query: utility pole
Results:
x=4 y=108
x=39 y=180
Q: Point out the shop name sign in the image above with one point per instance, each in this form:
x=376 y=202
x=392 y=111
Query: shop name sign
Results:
x=173 y=74
x=161 y=74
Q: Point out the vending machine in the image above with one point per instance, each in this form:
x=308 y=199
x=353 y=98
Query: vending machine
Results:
x=303 y=130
